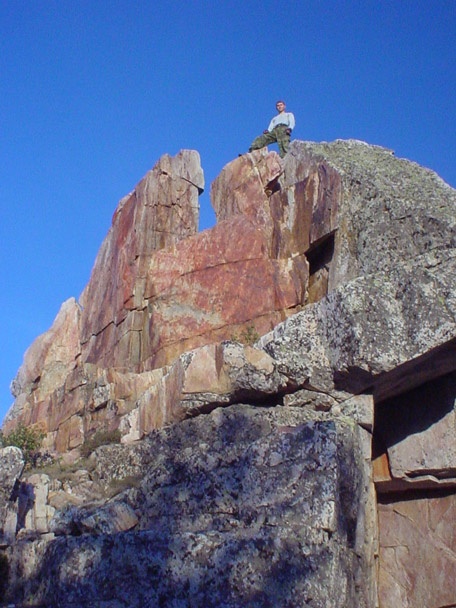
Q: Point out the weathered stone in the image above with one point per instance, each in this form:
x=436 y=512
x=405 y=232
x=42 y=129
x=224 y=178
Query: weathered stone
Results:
x=298 y=215
x=305 y=213
x=47 y=362
x=157 y=290
x=418 y=551
x=359 y=408
x=367 y=532
x=305 y=398
x=392 y=209
x=39 y=511
x=162 y=210
x=246 y=506
x=240 y=187
x=271 y=503
x=227 y=373
x=156 y=303
x=199 y=381
x=11 y=467
x=190 y=289
x=373 y=325
x=111 y=518
x=417 y=432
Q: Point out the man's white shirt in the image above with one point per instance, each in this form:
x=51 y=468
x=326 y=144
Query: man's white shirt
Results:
x=284 y=118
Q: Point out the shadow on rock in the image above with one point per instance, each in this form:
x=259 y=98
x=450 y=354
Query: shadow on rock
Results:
x=245 y=507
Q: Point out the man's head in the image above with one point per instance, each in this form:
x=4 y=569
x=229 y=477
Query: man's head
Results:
x=280 y=105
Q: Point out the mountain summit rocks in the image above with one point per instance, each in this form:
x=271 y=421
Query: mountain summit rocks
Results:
x=159 y=289
x=284 y=387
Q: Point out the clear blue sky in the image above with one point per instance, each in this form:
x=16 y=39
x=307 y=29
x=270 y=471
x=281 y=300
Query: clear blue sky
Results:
x=93 y=92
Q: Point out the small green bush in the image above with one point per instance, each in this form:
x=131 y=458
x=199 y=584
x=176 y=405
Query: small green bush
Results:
x=27 y=438
x=100 y=438
x=248 y=336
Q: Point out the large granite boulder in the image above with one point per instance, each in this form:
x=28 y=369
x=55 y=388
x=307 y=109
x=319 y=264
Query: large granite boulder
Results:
x=375 y=324
x=244 y=507
x=392 y=209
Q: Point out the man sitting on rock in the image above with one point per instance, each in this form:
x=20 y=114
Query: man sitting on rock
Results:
x=279 y=131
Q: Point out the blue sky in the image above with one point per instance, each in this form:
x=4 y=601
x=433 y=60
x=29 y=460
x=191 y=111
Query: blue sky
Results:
x=94 y=92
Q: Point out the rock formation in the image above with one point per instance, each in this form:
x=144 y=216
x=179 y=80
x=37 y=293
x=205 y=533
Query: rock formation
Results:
x=312 y=466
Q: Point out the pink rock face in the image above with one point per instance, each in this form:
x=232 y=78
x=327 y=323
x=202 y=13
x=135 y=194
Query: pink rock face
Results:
x=201 y=289
x=305 y=213
x=241 y=186
x=160 y=301
x=162 y=210
x=418 y=552
x=296 y=207
x=159 y=289
x=53 y=351
x=214 y=283
x=47 y=364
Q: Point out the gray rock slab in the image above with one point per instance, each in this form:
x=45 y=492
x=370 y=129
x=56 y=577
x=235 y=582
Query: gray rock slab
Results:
x=246 y=506
x=11 y=467
x=418 y=431
x=391 y=210
x=372 y=326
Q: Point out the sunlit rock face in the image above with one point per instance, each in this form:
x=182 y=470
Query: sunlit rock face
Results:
x=159 y=289
x=283 y=385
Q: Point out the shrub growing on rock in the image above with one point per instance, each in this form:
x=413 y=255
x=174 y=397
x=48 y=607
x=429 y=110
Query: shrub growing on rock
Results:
x=28 y=439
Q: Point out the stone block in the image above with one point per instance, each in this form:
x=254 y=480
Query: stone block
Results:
x=418 y=551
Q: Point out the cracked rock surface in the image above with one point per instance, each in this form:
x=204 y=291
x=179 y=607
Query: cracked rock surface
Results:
x=283 y=385
x=244 y=506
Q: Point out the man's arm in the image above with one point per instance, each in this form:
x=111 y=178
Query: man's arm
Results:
x=291 y=120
